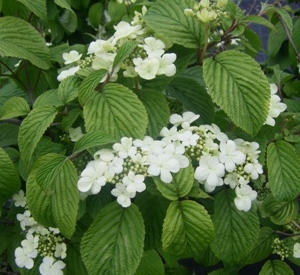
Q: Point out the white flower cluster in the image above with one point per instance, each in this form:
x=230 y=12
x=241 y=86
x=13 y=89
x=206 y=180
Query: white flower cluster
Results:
x=126 y=2
x=217 y=161
x=148 y=60
x=40 y=241
x=276 y=106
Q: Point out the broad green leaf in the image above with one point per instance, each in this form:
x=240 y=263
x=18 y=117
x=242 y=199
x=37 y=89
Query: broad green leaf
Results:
x=11 y=90
x=208 y=258
x=197 y=192
x=276 y=39
x=38 y=7
x=14 y=107
x=238 y=85
x=95 y=14
x=187 y=229
x=89 y=84
x=114 y=242
x=93 y=139
x=116 y=111
x=286 y=18
x=9 y=180
x=68 y=19
x=276 y=267
x=33 y=128
x=236 y=232
x=8 y=134
x=283 y=163
x=52 y=193
x=123 y=52
x=180 y=186
x=256 y=19
x=70 y=118
x=74 y=263
x=19 y=39
x=49 y=98
x=167 y=18
x=68 y=89
x=157 y=109
x=150 y=264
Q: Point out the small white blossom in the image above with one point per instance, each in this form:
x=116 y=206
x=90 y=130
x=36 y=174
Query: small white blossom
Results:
x=166 y=65
x=169 y=135
x=75 y=134
x=60 y=250
x=20 y=199
x=296 y=250
x=244 y=196
x=154 y=47
x=146 y=68
x=71 y=57
x=30 y=243
x=123 y=196
x=185 y=120
x=205 y=15
x=25 y=219
x=49 y=267
x=125 y=30
x=254 y=169
x=134 y=183
x=69 y=72
x=177 y=152
x=23 y=257
x=125 y=148
x=115 y=167
x=187 y=138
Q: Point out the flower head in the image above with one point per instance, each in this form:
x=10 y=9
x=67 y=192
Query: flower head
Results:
x=50 y=267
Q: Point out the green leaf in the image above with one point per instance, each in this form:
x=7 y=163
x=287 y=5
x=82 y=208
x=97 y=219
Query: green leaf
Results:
x=11 y=90
x=14 y=107
x=238 y=85
x=33 y=128
x=95 y=14
x=89 y=84
x=116 y=111
x=187 y=229
x=8 y=134
x=167 y=18
x=49 y=98
x=283 y=164
x=150 y=264
x=276 y=39
x=70 y=118
x=38 y=7
x=68 y=19
x=93 y=139
x=180 y=186
x=52 y=193
x=19 y=39
x=114 y=242
x=124 y=51
x=74 y=263
x=68 y=89
x=236 y=232
x=276 y=267
x=256 y=19
x=9 y=180
x=157 y=108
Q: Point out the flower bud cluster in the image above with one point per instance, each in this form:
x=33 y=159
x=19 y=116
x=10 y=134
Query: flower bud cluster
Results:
x=40 y=241
x=217 y=161
x=280 y=249
x=147 y=60
x=126 y=2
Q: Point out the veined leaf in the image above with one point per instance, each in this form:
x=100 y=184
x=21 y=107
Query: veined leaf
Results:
x=125 y=50
x=38 y=7
x=14 y=107
x=19 y=39
x=74 y=263
x=283 y=164
x=157 y=108
x=259 y=20
x=68 y=19
x=116 y=111
x=167 y=18
x=93 y=139
x=276 y=267
x=180 y=186
x=9 y=180
x=236 y=231
x=11 y=90
x=52 y=193
x=48 y=98
x=187 y=229
x=70 y=118
x=150 y=264
x=68 y=89
x=33 y=128
x=114 y=242
x=8 y=134
x=237 y=84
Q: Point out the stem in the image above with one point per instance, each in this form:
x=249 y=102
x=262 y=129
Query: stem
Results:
x=29 y=90
x=203 y=52
x=75 y=155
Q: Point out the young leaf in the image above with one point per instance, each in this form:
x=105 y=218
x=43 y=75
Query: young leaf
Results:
x=283 y=164
x=187 y=229
x=114 y=242
x=68 y=89
x=9 y=180
x=238 y=85
x=150 y=264
x=32 y=129
x=38 y=7
x=125 y=50
x=19 y=39
x=116 y=111
x=167 y=18
x=14 y=107
x=236 y=231
x=276 y=267
x=49 y=98
x=180 y=186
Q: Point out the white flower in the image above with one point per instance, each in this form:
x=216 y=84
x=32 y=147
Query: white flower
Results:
x=125 y=148
x=49 y=267
x=60 y=250
x=244 y=196
x=25 y=219
x=146 y=68
x=296 y=250
x=185 y=120
x=38 y=229
x=210 y=172
x=30 y=243
x=216 y=133
x=204 y=3
x=177 y=152
x=20 y=199
x=125 y=30
x=114 y=167
x=69 y=72
x=187 y=138
x=100 y=47
x=230 y=156
x=154 y=47
x=54 y=230
x=206 y=15
x=71 y=57
x=166 y=65
x=150 y=146
x=75 y=134
x=163 y=165
x=169 y=135
x=92 y=177
x=105 y=155
x=23 y=257
x=232 y=179
x=134 y=183
x=123 y=196
x=253 y=169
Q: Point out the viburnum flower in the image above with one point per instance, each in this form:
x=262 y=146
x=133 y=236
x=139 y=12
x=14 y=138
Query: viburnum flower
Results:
x=149 y=145
x=134 y=183
x=123 y=196
x=169 y=135
x=69 y=72
x=75 y=134
x=146 y=68
x=154 y=47
x=188 y=138
x=254 y=169
x=114 y=167
x=20 y=199
x=30 y=243
x=244 y=196
x=232 y=179
x=71 y=57
x=125 y=148
x=105 y=155
x=50 y=267
x=205 y=15
x=296 y=250
x=60 y=250
x=216 y=133
x=25 y=219
x=185 y=120
x=24 y=257
x=166 y=65
x=125 y=30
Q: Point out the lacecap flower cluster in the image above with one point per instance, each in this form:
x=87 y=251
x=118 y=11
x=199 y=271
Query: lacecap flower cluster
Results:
x=40 y=241
x=217 y=161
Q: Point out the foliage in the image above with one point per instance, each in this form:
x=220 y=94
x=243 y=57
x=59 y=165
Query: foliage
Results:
x=136 y=134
